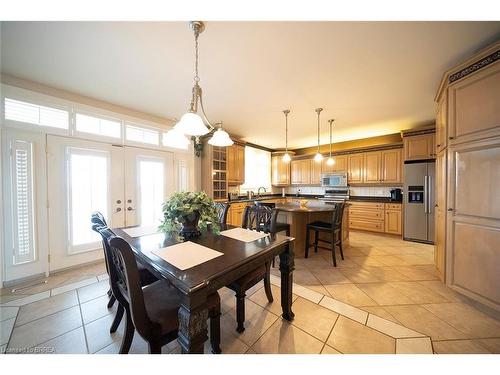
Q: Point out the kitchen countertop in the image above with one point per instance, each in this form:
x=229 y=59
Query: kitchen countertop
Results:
x=290 y=207
x=353 y=198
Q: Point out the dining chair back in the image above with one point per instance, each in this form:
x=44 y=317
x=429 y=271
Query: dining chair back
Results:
x=98 y=218
x=260 y=218
x=222 y=210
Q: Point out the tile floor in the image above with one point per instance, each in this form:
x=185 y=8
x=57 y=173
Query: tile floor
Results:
x=383 y=298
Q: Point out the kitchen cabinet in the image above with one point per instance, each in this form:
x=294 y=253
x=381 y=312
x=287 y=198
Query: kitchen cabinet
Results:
x=441 y=124
x=373 y=167
x=315 y=173
x=419 y=147
x=355 y=167
x=440 y=214
x=392 y=166
x=235 y=213
x=236 y=164
x=280 y=170
x=300 y=172
x=340 y=164
x=393 y=220
x=214 y=172
x=376 y=217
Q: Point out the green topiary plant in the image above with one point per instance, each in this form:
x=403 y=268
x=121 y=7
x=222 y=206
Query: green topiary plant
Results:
x=187 y=213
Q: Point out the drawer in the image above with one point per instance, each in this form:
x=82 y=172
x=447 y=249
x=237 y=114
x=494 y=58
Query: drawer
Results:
x=238 y=206
x=374 y=226
x=366 y=214
x=393 y=206
x=369 y=205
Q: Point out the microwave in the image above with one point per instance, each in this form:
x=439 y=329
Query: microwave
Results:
x=334 y=179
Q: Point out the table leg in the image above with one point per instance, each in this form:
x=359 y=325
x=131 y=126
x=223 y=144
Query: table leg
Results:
x=193 y=327
x=287 y=265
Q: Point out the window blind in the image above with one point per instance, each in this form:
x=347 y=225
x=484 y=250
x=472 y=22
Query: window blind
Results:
x=30 y=113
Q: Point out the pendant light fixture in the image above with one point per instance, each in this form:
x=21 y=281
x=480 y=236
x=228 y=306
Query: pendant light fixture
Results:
x=286 y=156
x=318 y=157
x=191 y=123
x=330 y=161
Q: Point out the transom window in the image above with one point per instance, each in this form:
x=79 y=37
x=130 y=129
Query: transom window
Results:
x=17 y=110
x=98 y=125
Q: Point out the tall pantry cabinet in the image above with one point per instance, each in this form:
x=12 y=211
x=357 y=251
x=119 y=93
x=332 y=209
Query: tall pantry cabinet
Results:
x=467 y=252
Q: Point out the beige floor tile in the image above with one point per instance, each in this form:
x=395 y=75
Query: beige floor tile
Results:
x=466 y=319
x=349 y=336
x=385 y=294
x=72 y=342
x=11 y=297
x=374 y=251
x=421 y=320
x=98 y=335
x=229 y=344
x=97 y=308
x=344 y=309
x=367 y=261
x=260 y=298
x=360 y=275
x=284 y=338
x=251 y=351
x=257 y=321
x=227 y=299
x=493 y=345
x=320 y=289
x=8 y=312
x=415 y=273
x=307 y=293
x=313 y=319
x=48 y=306
x=437 y=286
x=386 y=274
x=74 y=285
x=28 y=299
x=103 y=277
x=381 y=312
x=47 y=328
x=93 y=291
x=3 y=348
x=418 y=293
x=458 y=347
x=350 y=294
x=5 y=330
x=390 y=328
x=329 y=350
x=421 y=345
x=330 y=276
x=305 y=277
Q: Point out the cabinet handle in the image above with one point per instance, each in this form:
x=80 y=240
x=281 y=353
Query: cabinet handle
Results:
x=450 y=138
x=450 y=209
x=438 y=145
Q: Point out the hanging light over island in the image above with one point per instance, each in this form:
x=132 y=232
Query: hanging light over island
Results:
x=318 y=157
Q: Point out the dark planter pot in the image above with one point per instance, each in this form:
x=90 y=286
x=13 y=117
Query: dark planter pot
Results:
x=190 y=228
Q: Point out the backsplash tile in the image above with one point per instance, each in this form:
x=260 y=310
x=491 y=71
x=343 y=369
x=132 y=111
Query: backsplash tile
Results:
x=366 y=191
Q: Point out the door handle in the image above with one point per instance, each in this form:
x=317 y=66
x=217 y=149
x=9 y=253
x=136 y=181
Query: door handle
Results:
x=118 y=209
x=130 y=209
x=426 y=203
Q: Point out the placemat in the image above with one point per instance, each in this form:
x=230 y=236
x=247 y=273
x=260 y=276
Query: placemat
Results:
x=141 y=231
x=245 y=235
x=186 y=254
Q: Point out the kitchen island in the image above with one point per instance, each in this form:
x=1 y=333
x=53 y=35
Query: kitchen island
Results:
x=299 y=216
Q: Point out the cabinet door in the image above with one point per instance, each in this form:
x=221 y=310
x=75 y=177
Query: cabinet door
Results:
x=355 y=168
x=373 y=162
x=296 y=171
x=393 y=222
x=441 y=124
x=340 y=163
x=305 y=171
x=240 y=173
x=315 y=168
x=231 y=164
x=419 y=147
x=391 y=166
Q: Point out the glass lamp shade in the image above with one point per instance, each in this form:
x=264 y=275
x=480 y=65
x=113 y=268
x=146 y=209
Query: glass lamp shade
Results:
x=318 y=157
x=286 y=157
x=191 y=124
x=220 y=139
x=175 y=138
x=330 y=161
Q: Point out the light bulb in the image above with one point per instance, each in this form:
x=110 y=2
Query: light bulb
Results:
x=330 y=161
x=220 y=139
x=318 y=157
x=191 y=124
x=287 y=158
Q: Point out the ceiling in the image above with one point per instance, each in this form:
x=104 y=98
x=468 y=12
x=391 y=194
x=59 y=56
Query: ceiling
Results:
x=374 y=78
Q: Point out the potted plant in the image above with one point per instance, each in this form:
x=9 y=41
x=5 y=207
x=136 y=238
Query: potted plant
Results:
x=186 y=214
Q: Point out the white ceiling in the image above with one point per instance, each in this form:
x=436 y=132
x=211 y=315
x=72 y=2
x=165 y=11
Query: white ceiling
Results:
x=374 y=78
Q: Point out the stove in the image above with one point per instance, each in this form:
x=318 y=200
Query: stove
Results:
x=336 y=195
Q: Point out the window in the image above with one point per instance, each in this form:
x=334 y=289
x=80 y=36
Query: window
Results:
x=29 y=113
x=176 y=139
x=257 y=169
x=88 y=192
x=98 y=125
x=22 y=202
x=141 y=135
x=151 y=192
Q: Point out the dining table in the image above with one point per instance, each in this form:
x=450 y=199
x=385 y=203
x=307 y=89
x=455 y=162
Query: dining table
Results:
x=195 y=284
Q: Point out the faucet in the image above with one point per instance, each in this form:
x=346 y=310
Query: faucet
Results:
x=258 y=191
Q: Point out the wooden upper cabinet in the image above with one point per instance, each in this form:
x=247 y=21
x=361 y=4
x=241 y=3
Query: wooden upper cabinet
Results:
x=392 y=164
x=315 y=173
x=474 y=110
x=355 y=168
x=441 y=125
x=235 y=164
x=339 y=165
x=373 y=167
x=280 y=171
x=419 y=147
x=300 y=172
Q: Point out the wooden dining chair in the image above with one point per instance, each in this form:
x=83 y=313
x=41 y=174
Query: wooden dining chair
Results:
x=152 y=310
x=262 y=219
x=222 y=210
x=335 y=230
x=146 y=276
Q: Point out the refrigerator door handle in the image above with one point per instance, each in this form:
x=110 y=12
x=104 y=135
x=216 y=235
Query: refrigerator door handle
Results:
x=429 y=190
x=426 y=190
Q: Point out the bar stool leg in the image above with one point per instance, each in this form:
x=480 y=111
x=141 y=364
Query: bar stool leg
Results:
x=316 y=241
x=333 y=250
x=307 y=243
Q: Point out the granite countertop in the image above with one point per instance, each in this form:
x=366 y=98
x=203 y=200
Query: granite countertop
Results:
x=289 y=207
x=359 y=198
x=353 y=198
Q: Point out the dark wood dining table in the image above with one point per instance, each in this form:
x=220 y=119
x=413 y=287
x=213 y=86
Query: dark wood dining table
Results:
x=198 y=282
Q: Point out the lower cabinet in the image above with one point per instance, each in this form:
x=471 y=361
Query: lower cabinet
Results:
x=375 y=217
x=235 y=213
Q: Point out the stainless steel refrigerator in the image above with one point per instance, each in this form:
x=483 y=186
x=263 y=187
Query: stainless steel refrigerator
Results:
x=418 y=198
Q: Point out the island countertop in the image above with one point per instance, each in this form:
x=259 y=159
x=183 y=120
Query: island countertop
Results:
x=290 y=207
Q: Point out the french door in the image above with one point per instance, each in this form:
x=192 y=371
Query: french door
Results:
x=127 y=184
